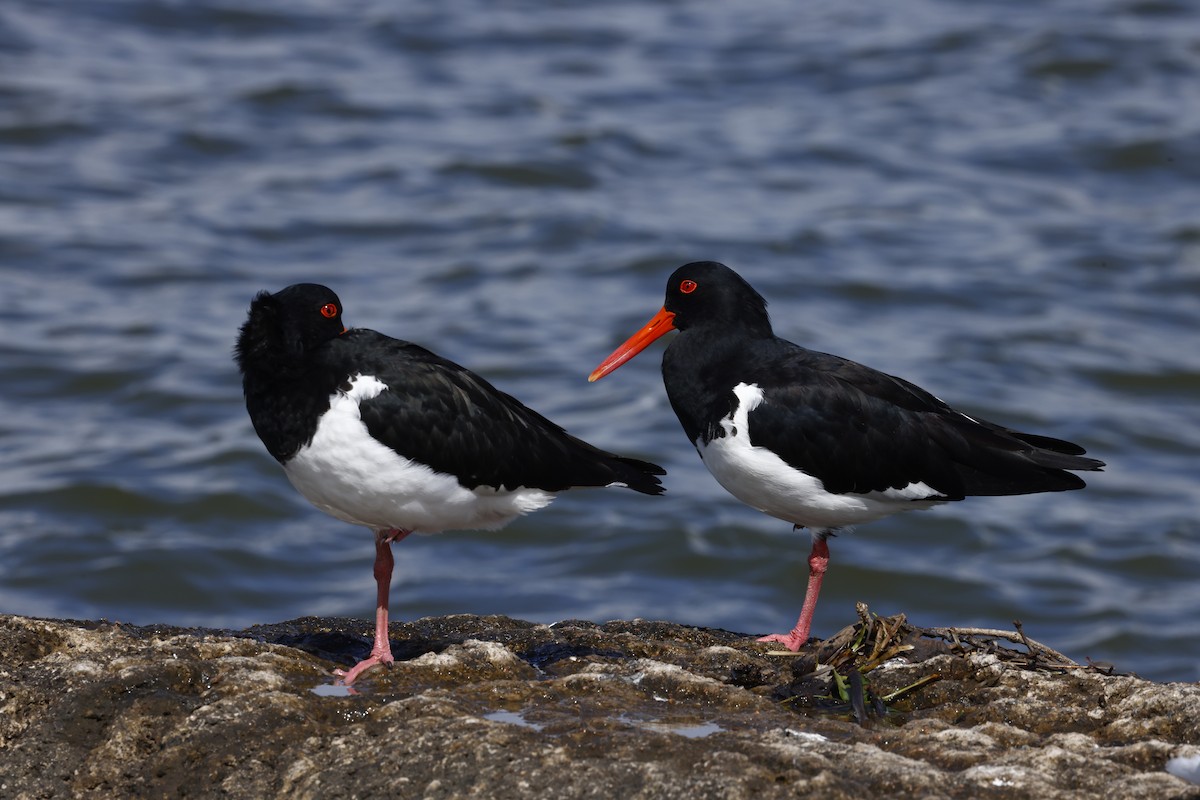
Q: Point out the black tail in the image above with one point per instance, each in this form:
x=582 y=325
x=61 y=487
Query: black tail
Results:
x=639 y=475
x=994 y=460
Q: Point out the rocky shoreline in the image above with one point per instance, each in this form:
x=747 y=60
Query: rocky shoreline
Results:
x=496 y=707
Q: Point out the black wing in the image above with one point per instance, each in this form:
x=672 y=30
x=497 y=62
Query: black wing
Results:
x=862 y=430
x=447 y=417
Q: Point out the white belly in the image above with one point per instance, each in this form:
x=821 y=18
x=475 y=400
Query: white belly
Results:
x=763 y=480
x=351 y=476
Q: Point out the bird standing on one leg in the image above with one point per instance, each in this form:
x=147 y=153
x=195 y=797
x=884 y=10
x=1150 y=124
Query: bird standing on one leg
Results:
x=818 y=440
x=383 y=433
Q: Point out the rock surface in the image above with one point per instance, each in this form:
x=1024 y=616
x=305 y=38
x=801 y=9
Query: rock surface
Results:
x=496 y=707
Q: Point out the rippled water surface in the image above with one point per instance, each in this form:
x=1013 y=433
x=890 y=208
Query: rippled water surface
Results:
x=995 y=200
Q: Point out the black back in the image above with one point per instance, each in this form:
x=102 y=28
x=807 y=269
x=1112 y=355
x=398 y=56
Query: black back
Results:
x=855 y=428
x=293 y=359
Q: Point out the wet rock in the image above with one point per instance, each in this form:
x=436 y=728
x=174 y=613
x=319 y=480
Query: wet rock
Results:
x=496 y=707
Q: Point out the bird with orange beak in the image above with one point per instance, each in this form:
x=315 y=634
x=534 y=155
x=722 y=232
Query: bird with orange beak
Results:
x=817 y=440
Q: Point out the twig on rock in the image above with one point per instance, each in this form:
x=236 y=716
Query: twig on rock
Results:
x=953 y=634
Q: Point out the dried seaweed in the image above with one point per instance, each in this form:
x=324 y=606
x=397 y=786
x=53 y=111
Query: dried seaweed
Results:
x=1037 y=656
x=838 y=681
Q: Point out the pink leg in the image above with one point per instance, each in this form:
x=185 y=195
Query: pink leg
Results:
x=381 y=652
x=818 y=562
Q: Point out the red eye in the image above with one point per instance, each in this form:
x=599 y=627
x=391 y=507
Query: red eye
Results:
x=329 y=311
x=687 y=287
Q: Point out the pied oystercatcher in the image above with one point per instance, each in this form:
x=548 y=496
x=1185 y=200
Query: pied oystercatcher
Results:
x=817 y=440
x=383 y=433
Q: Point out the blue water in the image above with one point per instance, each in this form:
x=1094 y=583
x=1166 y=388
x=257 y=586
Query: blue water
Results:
x=997 y=201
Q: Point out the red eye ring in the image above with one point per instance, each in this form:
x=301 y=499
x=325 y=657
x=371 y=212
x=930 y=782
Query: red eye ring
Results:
x=329 y=311
x=688 y=286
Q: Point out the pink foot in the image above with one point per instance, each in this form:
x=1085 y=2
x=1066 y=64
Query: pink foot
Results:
x=381 y=651
x=789 y=640
x=818 y=562
x=348 y=676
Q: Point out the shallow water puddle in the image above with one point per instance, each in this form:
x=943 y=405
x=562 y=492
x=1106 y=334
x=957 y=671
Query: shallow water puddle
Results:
x=697 y=730
x=511 y=718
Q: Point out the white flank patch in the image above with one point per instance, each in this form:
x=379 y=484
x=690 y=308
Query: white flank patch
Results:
x=351 y=476
x=763 y=480
x=914 y=491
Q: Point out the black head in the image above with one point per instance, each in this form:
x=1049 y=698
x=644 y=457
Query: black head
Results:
x=706 y=292
x=282 y=327
x=702 y=295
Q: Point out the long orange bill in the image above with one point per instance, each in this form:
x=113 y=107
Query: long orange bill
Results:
x=662 y=322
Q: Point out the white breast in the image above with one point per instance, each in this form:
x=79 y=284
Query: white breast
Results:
x=763 y=480
x=349 y=475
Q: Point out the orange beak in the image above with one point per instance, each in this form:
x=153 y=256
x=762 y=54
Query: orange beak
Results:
x=662 y=322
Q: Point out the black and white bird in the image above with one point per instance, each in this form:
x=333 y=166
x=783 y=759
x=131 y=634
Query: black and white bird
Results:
x=383 y=433
x=817 y=440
